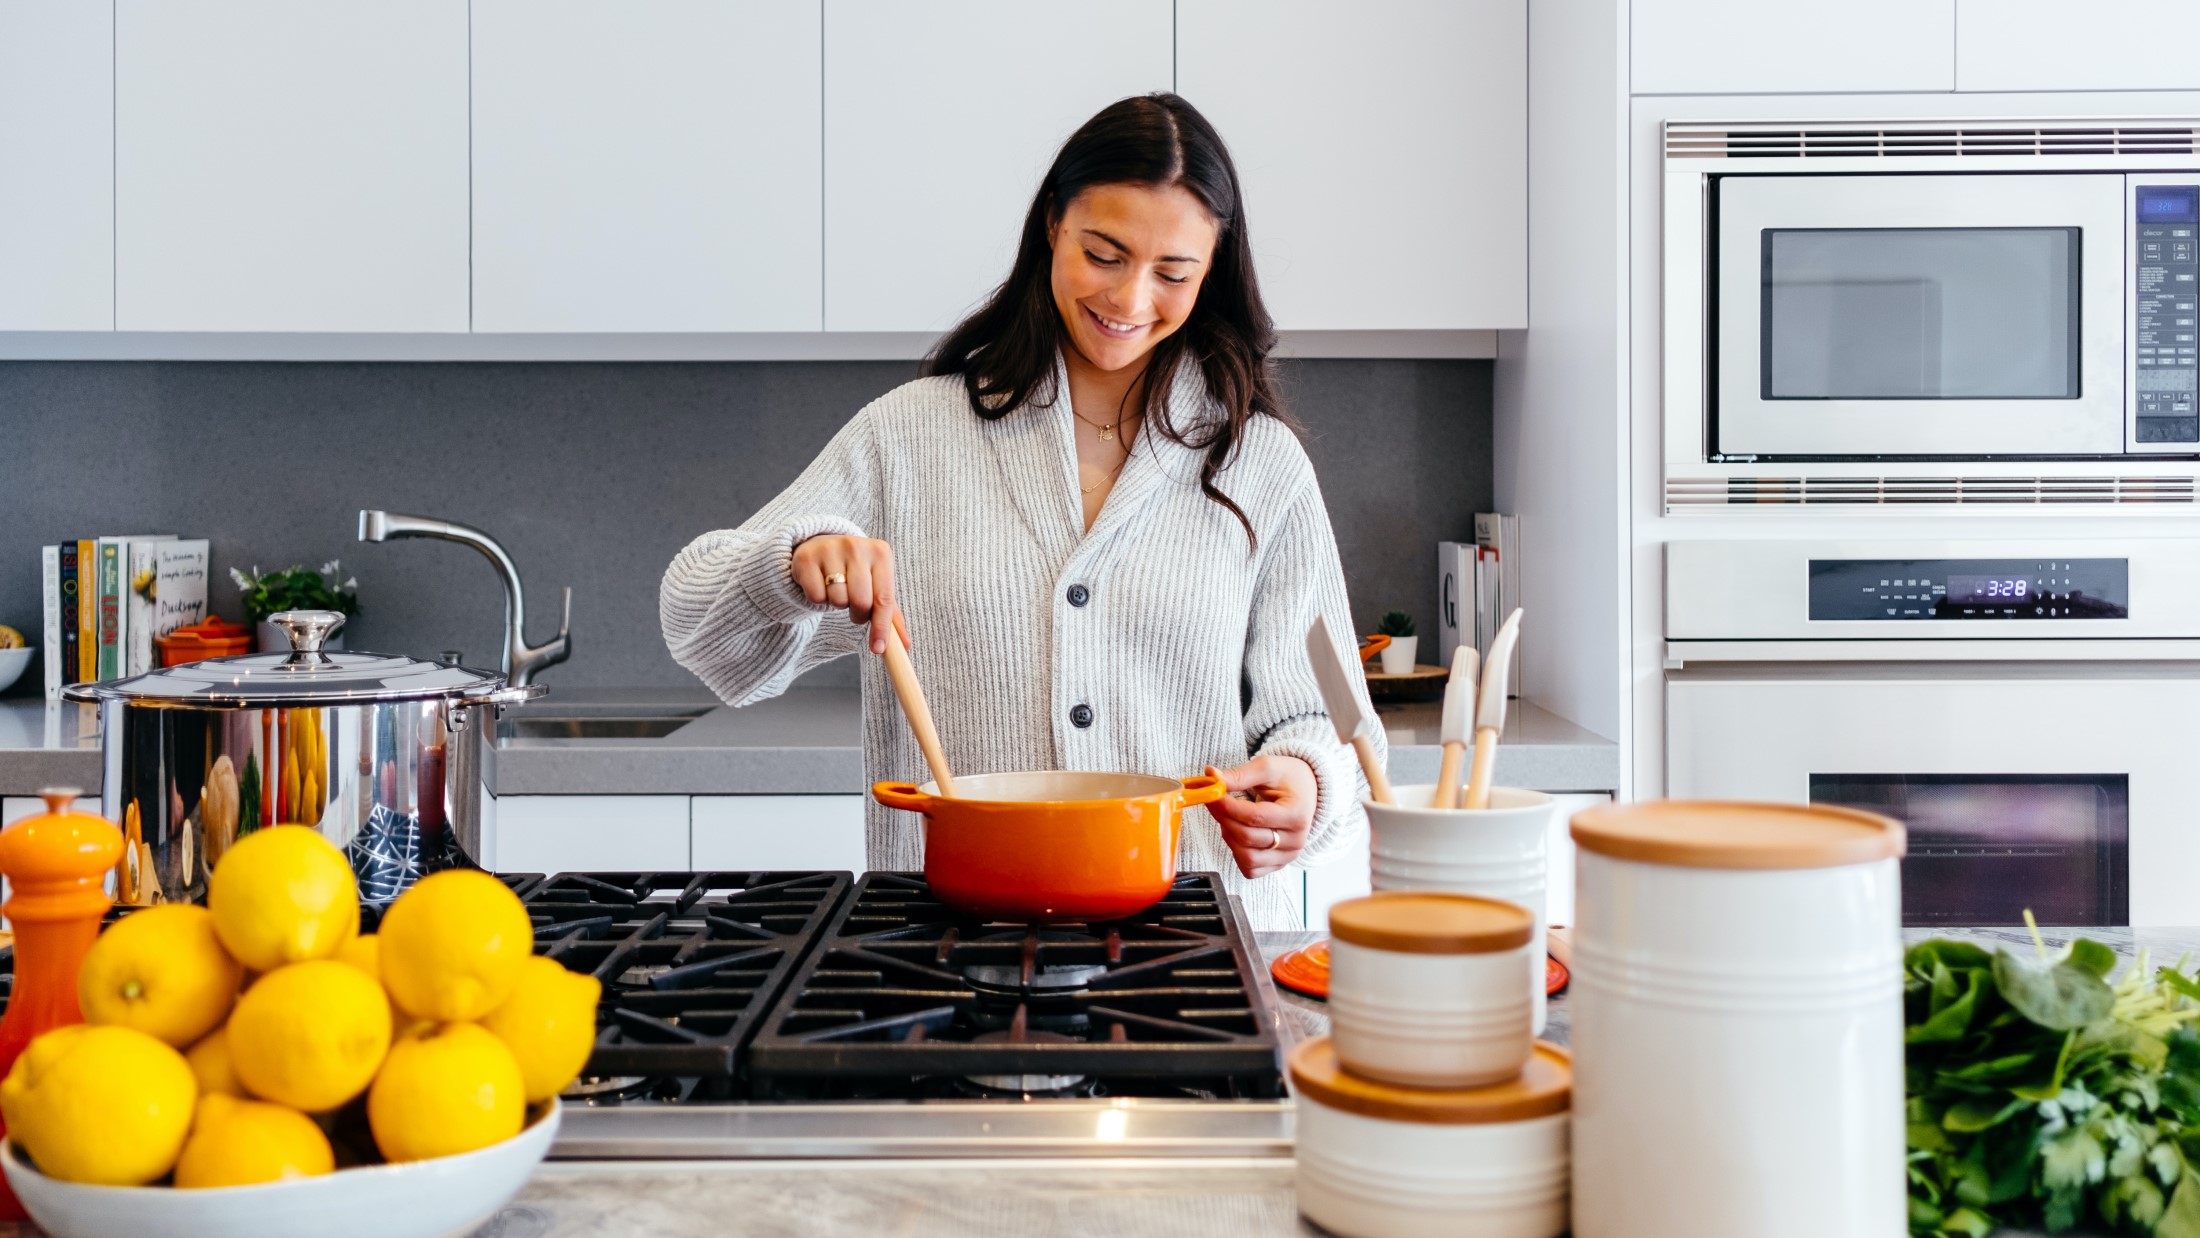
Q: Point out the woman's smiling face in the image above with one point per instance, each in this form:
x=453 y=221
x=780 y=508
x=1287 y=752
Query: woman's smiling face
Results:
x=1128 y=261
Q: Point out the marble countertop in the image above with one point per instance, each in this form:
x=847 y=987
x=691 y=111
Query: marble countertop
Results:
x=807 y=741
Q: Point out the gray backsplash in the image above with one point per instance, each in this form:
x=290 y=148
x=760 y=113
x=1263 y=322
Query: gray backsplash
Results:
x=592 y=475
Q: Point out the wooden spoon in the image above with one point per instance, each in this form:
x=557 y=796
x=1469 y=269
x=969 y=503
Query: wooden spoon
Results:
x=911 y=695
x=1459 y=698
x=1333 y=675
x=1489 y=716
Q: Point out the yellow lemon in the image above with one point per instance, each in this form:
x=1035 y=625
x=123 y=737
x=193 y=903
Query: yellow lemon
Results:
x=283 y=895
x=209 y=1061
x=310 y=1035
x=109 y=1105
x=453 y=944
x=162 y=971
x=363 y=952
x=239 y=1142
x=549 y=1024
x=447 y=1088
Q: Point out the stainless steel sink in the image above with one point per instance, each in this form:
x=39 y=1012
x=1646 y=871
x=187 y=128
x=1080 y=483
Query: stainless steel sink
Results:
x=633 y=725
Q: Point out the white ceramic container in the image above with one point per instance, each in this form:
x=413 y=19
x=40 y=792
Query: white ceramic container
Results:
x=1424 y=988
x=1737 y=1022
x=1376 y=1161
x=1397 y=656
x=1499 y=852
x=444 y=1197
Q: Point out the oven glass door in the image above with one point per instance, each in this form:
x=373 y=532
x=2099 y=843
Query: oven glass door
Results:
x=1986 y=848
x=1953 y=316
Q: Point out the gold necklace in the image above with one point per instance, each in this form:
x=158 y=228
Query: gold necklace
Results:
x=1107 y=432
x=1105 y=480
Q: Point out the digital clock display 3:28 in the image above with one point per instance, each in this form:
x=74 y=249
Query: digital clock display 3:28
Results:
x=1964 y=590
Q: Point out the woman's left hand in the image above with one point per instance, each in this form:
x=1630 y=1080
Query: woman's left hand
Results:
x=1267 y=813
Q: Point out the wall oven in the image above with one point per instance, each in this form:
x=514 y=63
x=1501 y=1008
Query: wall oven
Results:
x=2029 y=709
x=1880 y=312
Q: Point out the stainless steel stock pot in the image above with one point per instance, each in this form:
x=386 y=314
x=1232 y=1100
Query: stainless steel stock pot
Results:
x=383 y=754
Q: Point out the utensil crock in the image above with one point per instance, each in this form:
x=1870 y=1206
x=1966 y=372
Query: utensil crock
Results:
x=1051 y=846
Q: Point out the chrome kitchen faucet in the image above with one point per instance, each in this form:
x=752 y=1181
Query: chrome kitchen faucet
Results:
x=521 y=660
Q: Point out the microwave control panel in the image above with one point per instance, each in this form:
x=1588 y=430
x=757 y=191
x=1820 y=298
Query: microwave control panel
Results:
x=1958 y=589
x=2165 y=312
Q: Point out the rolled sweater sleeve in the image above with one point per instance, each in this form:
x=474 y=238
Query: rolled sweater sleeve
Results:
x=1301 y=577
x=729 y=607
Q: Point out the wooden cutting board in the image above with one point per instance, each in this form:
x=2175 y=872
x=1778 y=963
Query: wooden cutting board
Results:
x=1422 y=683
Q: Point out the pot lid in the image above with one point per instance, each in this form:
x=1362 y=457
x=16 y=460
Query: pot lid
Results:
x=1431 y=922
x=1544 y=1086
x=1738 y=835
x=306 y=677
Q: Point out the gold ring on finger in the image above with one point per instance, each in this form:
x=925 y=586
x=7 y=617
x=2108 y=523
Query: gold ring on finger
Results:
x=837 y=578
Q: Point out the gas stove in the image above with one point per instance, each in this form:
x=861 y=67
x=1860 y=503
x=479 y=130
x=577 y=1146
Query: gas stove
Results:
x=799 y=1015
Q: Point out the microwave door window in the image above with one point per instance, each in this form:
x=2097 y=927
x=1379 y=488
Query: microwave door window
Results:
x=1920 y=314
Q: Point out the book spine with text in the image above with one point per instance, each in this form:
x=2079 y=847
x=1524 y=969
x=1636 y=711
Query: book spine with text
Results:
x=179 y=588
x=112 y=614
x=49 y=617
x=70 y=647
x=87 y=610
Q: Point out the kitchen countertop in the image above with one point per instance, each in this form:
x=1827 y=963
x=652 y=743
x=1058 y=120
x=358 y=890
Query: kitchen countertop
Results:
x=808 y=741
x=986 y=1198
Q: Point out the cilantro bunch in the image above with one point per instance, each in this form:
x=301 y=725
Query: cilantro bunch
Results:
x=2042 y=1094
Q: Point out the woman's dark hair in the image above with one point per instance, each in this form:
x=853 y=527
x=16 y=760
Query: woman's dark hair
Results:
x=1005 y=351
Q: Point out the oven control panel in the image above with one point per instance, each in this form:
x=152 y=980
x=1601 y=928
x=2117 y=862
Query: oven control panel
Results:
x=2164 y=288
x=1958 y=589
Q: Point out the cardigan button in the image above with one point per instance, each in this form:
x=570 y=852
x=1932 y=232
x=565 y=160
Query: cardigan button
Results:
x=1080 y=716
x=1079 y=595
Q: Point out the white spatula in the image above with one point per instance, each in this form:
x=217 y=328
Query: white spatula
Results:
x=1333 y=674
x=1459 y=697
x=1489 y=710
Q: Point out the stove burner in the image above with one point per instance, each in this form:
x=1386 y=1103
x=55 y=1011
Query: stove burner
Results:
x=1025 y=1084
x=1007 y=979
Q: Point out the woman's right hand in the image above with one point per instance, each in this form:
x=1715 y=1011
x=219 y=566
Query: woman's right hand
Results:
x=864 y=568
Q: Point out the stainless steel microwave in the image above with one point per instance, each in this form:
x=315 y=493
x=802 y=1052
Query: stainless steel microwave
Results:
x=1970 y=316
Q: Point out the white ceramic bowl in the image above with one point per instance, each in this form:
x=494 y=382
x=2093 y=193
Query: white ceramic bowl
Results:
x=446 y=1197
x=1429 y=1020
x=12 y=664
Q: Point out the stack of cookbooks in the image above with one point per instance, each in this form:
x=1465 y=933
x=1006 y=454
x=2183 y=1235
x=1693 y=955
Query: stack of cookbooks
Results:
x=108 y=599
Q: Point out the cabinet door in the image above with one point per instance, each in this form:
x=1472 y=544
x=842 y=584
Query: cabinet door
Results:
x=647 y=167
x=778 y=833
x=290 y=167
x=591 y=833
x=2052 y=45
x=57 y=185
x=940 y=120
x=1703 y=47
x=1383 y=151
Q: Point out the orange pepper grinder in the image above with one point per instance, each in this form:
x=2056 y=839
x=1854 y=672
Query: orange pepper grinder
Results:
x=56 y=866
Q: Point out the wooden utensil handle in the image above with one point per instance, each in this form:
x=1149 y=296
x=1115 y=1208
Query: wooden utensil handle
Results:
x=1485 y=762
x=1447 y=776
x=911 y=695
x=1378 y=783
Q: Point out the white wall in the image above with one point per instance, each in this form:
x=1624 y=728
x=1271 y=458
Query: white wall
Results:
x=1561 y=411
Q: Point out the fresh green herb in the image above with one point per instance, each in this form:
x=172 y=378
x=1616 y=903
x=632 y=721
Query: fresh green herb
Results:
x=2043 y=1094
x=1396 y=623
x=296 y=589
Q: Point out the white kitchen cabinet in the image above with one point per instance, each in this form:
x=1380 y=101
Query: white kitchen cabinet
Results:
x=1383 y=151
x=2055 y=45
x=590 y=834
x=940 y=120
x=1705 y=47
x=647 y=167
x=290 y=167
x=57 y=206
x=777 y=833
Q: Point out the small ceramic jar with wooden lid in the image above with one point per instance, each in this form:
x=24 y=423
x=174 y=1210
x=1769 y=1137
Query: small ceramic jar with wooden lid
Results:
x=1737 y=1022
x=1380 y=1161
x=1425 y=988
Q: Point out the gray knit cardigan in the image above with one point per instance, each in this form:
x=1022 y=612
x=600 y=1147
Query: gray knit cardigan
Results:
x=1187 y=650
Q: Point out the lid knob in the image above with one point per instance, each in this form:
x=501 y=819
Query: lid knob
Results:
x=308 y=630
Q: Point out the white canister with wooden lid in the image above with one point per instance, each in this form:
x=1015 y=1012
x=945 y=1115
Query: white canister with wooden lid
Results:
x=1497 y=852
x=1737 y=1022
x=1380 y=1161
x=1424 y=988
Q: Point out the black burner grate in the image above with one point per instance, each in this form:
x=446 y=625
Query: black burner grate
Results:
x=902 y=987
x=688 y=961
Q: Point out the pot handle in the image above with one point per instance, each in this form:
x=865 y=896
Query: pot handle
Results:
x=1203 y=789
x=1373 y=645
x=900 y=795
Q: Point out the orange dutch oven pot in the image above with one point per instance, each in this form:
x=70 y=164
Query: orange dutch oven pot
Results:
x=1041 y=848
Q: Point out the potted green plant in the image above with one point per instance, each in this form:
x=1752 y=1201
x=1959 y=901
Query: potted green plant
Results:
x=295 y=588
x=1398 y=655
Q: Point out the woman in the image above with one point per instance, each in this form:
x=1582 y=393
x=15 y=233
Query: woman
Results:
x=1102 y=539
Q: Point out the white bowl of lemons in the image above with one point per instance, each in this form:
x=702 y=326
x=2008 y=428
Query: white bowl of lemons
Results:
x=13 y=660
x=444 y=1196
x=256 y=1067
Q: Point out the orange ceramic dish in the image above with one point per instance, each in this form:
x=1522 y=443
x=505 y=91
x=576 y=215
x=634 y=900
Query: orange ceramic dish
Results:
x=1042 y=848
